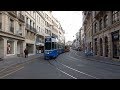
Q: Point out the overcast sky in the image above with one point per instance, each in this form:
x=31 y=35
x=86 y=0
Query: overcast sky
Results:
x=71 y=21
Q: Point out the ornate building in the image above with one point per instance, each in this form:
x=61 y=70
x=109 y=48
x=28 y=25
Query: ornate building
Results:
x=106 y=33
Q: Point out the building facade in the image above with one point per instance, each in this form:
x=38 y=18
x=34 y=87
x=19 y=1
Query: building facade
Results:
x=26 y=29
x=106 y=33
x=87 y=23
x=12 y=35
x=30 y=31
x=40 y=27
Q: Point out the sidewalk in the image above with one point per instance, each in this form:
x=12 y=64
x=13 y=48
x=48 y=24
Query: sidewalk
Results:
x=12 y=61
x=99 y=59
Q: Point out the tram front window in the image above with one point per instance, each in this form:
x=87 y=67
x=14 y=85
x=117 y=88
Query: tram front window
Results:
x=48 y=46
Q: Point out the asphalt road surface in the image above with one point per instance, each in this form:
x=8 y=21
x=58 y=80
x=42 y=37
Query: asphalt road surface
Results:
x=66 y=66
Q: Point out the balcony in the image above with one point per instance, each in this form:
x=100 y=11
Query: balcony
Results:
x=0 y=25
x=13 y=13
x=12 y=29
x=19 y=32
x=30 y=28
x=21 y=17
x=34 y=30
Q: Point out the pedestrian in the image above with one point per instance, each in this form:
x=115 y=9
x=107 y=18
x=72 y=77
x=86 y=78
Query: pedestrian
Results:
x=26 y=53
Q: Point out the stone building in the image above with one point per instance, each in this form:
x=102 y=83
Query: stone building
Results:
x=106 y=34
x=30 y=31
x=12 y=34
x=26 y=29
x=87 y=23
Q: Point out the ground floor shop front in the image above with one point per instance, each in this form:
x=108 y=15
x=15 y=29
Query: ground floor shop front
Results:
x=107 y=45
x=10 y=47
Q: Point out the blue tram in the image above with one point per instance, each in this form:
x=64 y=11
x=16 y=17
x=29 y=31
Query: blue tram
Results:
x=51 y=48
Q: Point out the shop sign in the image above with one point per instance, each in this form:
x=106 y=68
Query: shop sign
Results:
x=115 y=35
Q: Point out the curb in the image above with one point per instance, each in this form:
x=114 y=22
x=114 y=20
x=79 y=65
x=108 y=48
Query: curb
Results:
x=99 y=61
x=103 y=62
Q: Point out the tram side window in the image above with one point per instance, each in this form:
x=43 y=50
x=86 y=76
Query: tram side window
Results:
x=48 y=46
x=53 y=45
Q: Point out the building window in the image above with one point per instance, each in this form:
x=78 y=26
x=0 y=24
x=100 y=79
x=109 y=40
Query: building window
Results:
x=30 y=24
x=101 y=47
x=0 y=20
x=106 y=21
x=95 y=27
x=106 y=46
x=11 y=26
x=10 y=47
x=26 y=22
x=115 y=16
x=100 y=24
x=96 y=49
x=33 y=25
x=39 y=29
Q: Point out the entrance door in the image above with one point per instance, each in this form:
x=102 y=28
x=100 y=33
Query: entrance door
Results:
x=115 y=49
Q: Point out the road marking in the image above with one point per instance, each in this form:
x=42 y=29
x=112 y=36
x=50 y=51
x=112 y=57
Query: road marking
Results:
x=10 y=67
x=73 y=57
x=66 y=73
x=79 y=71
x=12 y=72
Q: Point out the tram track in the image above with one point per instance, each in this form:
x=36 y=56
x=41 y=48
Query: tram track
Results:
x=13 y=68
x=77 y=74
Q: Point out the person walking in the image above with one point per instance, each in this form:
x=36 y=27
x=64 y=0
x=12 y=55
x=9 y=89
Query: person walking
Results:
x=26 y=53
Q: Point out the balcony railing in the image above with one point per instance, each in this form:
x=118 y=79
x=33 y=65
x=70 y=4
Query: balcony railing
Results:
x=21 y=17
x=34 y=30
x=12 y=29
x=19 y=32
x=0 y=25
x=13 y=13
x=30 y=28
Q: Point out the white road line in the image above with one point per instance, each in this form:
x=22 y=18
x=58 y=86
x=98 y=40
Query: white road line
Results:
x=9 y=67
x=12 y=72
x=66 y=73
x=79 y=71
x=73 y=57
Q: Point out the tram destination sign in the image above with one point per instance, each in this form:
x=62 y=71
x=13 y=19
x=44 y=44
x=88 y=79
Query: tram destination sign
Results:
x=48 y=40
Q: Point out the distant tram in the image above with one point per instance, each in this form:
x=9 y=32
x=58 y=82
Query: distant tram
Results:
x=67 y=48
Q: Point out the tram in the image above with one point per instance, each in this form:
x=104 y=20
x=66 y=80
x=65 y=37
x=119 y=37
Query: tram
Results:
x=51 y=48
x=67 y=48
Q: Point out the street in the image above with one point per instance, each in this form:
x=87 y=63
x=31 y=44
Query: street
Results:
x=68 y=65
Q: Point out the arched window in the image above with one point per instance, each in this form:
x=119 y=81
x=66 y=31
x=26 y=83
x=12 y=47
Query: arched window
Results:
x=106 y=46
x=101 y=47
x=105 y=21
x=96 y=49
x=0 y=20
x=100 y=24
x=95 y=27
x=115 y=16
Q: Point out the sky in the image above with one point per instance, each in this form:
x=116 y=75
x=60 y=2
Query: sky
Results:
x=71 y=22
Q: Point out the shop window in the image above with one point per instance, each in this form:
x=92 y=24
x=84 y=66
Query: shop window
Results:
x=10 y=47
